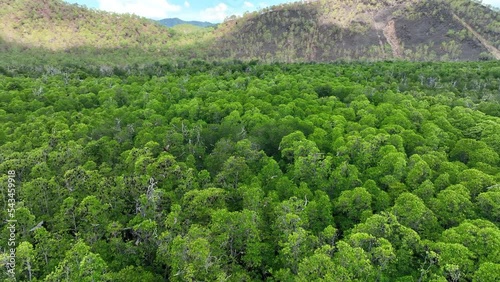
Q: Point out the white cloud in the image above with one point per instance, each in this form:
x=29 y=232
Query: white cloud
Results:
x=154 y=9
x=248 y=5
x=495 y=3
x=214 y=14
x=186 y=4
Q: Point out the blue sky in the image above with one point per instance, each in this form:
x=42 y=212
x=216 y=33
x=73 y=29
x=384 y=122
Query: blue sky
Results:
x=202 y=10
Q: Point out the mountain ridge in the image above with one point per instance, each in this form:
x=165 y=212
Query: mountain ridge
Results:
x=425 y=30
x=171 y=22
x=306 y=31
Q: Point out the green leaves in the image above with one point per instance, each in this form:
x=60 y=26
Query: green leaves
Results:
x=199 y=204
x=231 y=171
x=489 y=204
x=294 y=248
x=412 y=212
x=487 y=272
x=79 y=264
x=238 y=235
x=355 y=205
x=27 y=258
x=190 y=257
x=452 y=206
x=476 y=181
x=321 y=267
x=480 y=236
x=472 y=152
x=455 y=260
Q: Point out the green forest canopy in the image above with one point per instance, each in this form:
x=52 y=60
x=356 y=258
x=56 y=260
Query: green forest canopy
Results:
x=247 y=172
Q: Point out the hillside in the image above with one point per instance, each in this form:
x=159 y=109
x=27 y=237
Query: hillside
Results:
x=56 y=25
x=55 y=32
x=171 y=22
x=330 y=30
x=319 y=31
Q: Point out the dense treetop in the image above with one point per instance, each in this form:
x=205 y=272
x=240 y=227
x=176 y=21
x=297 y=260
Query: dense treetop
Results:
x=246 y=172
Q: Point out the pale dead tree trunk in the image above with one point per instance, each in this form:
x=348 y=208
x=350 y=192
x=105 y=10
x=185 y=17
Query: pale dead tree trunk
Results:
x=28 y=264
x=46 y=258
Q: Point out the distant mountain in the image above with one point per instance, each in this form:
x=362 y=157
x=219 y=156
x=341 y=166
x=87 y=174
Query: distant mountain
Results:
x=171 y=22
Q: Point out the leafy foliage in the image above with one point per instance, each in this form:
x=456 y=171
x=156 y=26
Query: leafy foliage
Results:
x=236 y=171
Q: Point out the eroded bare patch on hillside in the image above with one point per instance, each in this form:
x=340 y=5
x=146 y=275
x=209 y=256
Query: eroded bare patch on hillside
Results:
x=390 y=34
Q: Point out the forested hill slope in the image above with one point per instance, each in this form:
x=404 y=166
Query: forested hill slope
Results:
x=318 y=31
x=57 y=25
x=345 y=29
